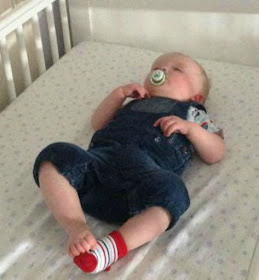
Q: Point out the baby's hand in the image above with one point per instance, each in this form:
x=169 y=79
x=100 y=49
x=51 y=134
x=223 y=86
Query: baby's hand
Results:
x=135 y=91
x=171 y=124
x=80 y=240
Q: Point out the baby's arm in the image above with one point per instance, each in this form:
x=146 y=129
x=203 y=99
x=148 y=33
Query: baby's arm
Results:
x=113 y=102
x=209 y=146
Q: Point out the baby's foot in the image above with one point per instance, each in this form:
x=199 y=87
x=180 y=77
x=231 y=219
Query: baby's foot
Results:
x=80 y=240
x=108 y=251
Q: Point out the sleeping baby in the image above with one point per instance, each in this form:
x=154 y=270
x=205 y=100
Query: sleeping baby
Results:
x=131 y=173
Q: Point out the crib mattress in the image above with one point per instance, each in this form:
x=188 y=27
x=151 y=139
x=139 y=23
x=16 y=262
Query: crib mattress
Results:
x=215 y=239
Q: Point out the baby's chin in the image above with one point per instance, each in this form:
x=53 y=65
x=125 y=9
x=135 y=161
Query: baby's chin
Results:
x=161 y=91
x=158 y=93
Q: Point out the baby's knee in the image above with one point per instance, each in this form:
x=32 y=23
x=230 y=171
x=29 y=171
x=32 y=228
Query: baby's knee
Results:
x=43 y=162
x=45 y=168
x=162 y=216
x=171 y=194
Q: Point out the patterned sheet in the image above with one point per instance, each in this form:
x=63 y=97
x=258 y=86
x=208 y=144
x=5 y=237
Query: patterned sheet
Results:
x=215 y=239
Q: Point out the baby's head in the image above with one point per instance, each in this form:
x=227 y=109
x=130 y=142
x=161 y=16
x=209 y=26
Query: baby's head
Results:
x=180 y=78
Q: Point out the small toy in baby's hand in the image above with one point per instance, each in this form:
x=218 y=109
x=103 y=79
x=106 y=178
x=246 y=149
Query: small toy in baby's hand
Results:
x=158 y=77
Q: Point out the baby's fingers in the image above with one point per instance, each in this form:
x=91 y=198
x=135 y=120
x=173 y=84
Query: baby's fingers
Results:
x=172 y=128
x=168 y=125
x=136 y=94
x=160 y=122
x=157 y=122
x=140 y=94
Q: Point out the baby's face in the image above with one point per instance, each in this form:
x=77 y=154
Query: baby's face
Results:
x=183 y=78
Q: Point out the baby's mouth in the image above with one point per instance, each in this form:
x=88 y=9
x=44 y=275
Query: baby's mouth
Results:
x=158 y=77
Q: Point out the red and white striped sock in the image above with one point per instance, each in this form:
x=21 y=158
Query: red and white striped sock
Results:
x=109 y=250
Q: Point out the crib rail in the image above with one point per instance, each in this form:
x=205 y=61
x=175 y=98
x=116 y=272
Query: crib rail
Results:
x=14 y=23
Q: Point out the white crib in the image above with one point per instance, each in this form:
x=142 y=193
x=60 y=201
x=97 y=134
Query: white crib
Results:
x=14 y=23
x=217 y=238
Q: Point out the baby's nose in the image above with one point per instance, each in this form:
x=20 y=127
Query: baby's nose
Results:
x=158 y=77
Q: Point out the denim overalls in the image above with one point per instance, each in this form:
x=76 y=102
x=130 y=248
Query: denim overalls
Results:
x=129 y=165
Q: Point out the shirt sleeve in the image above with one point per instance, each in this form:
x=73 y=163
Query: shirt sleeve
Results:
x=201 y=117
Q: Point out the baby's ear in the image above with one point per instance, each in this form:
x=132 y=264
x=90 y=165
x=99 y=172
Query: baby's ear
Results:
x=198 y=98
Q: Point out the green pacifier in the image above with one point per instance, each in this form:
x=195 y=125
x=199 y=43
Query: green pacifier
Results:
x=157 y=77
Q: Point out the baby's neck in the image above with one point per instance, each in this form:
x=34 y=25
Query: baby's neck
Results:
x=164 y=95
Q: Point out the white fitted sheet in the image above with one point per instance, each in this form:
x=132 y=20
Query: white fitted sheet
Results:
x=215 y=239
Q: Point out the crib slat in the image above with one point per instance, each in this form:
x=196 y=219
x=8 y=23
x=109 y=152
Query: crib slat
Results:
x=38 y=44
x=7 y=69
x=23 y=56
x=65 y=24
x=52 y=33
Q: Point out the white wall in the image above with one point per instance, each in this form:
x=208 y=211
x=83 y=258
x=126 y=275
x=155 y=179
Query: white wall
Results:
x=219 y=30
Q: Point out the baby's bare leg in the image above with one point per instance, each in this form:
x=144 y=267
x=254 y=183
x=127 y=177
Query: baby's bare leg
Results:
x=63 y=201
x=145 y=226
x=137 y=231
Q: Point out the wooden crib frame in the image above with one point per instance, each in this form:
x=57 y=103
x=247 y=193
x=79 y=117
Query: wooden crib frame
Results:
x=14 y=23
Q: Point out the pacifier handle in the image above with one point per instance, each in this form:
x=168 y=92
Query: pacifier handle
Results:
x=158 y=77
